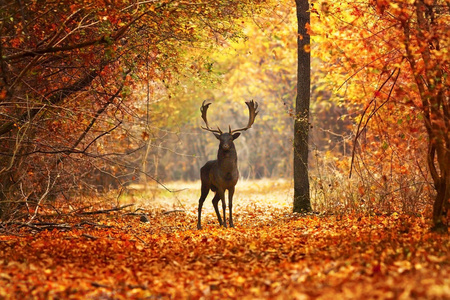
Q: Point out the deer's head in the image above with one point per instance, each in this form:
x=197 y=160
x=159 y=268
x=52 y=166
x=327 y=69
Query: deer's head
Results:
x=226 y=138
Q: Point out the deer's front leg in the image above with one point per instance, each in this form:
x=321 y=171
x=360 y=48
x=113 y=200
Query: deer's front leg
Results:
x=230 y=205
x=221 y=194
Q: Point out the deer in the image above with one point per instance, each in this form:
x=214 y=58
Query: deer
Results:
x=222 y=174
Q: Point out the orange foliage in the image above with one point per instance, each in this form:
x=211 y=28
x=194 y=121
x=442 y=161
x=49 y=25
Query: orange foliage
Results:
x=74 y=72
x=388 y=61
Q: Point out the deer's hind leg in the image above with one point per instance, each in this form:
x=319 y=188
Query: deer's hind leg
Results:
x=205 y=191
x=215 y=202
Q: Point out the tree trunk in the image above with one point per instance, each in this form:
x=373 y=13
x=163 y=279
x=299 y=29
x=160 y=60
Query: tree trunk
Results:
x=302 y=201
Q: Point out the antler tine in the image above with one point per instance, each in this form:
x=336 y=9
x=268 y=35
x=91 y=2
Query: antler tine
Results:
x=252 y=111
x=204 y=110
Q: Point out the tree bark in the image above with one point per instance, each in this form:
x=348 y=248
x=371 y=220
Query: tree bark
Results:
x=302 y=201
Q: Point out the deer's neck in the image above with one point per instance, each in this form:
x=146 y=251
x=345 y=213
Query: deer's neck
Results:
x=227 y=160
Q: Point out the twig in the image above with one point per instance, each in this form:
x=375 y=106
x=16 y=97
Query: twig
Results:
x=104 y=211
x=44 y=226
x=374 y=111
x=88 y=236
x=92 y=224
x=140 y=240
x=50 y=226
x=363 y=67
x=133 y=214
x=99 y=285
x=173 y=211
x=44 y=195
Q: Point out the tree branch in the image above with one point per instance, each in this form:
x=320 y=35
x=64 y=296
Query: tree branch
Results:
x=105 y=39
x=358 y=131
x=59 y=96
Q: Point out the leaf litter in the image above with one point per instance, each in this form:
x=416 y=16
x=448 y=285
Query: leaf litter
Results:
x=271 y=254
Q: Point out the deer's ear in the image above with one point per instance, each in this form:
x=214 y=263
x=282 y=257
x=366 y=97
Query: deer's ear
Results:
x=217 y=136
x=236 y=135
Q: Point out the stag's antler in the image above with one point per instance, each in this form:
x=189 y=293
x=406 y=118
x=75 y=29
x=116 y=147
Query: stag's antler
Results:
x=204 y=109
x=252 y=107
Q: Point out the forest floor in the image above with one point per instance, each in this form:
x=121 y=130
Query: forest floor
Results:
x=90 y=253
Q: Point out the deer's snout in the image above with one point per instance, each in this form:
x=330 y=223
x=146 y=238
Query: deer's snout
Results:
x=226 y=147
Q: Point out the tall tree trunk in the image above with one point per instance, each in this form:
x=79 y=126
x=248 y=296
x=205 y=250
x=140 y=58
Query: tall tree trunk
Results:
x=302 y=201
